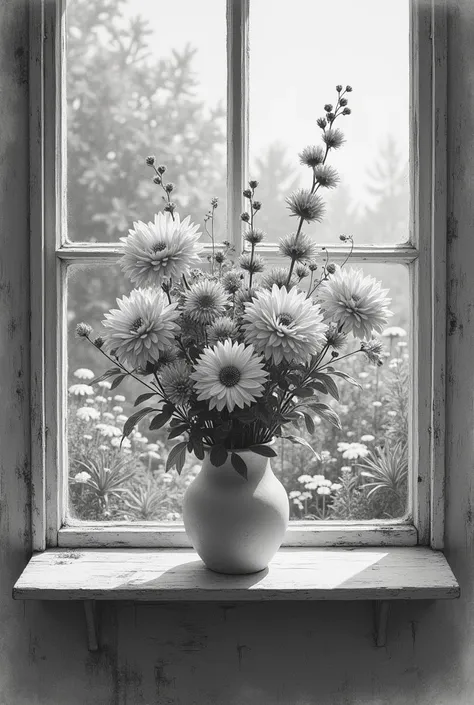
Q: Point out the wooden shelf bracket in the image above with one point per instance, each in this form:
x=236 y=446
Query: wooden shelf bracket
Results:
x=381 y=612
x=92 y=626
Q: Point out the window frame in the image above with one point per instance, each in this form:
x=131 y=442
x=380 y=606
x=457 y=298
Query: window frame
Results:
x=425 y=256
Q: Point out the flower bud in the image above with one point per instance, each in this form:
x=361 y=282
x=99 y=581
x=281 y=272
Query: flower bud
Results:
x=150 y=160
x=331 y=117
x=338 y=88
x=157 y=179
x=346 y=111
x=343 y=102
x=321 y=122
x=98 y=342
x=83 y=330
x=331 y=268
x=169 y=187
x=247 y=193
x=328 y=107
x=257 y=205
x=162 y=169
x=170 y=207
x=349 y=89
x=219 y=257
x=253 y=184
x=245 y=217
x=214 y=202
x=342 y=238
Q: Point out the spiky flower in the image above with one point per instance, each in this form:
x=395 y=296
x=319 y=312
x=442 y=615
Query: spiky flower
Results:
x=356 y=303
x=168 y=355
x=301 y=270
x=254 y=236
x=334 y=138
x=143 y=325
x=83 y=330
x=306 y=205
x=222 y=329
x=244 y=296
x=278 y=276
x=284 y=325
x=326 y=176
x=312 y=156
x=373 y=350
x=205 y=301
x=299 y=248
x=335 y=338
x=162 y=250
x=229 y=375
x=252 y=265
x=232 y=281
x=176 y=382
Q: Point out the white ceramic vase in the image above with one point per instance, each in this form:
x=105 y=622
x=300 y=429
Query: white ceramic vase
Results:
x=236 y=525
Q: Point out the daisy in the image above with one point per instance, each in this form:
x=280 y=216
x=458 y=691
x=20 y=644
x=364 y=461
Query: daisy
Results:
x=229 y=375
x=81 y=390
x=222 y=329
x=284 y=325
x=205 y=301
x=142 y=326
x=159 y=251
x=356 y=303
x=108 y=430
x=84 y=373
x=353 y=451
x=82 y=477
x=87 y=413
x=105 y=384
x=176 y=382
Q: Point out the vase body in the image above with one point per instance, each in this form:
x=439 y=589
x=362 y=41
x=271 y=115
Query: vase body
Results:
x=236 y=525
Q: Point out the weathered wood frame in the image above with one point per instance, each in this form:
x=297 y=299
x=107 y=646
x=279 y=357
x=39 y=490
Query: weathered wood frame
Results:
x=424 y=255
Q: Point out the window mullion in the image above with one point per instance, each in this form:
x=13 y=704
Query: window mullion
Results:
x=237 y=114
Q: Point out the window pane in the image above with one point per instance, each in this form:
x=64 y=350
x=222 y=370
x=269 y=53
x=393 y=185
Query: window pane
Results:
x=143 y=77
x=297 y=58
x=130 y=484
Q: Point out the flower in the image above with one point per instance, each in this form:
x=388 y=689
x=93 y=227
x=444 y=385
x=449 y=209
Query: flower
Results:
x=222 y=329
x=323 y=490
x=353 y=451
x=87 y=413
x=254 y=236
x=205 y=301
x=229 y=375
x=107 y=415
x=299 y=248
x=84 y=373
x=87 y=437
x=82 y=477
x=394 y=332
x=101 y=400
x=232 y=281
x=334 y=337
x=306 y=205
x=333 y=138
x=121 y=418
x=326 y=176
x=163 y=250
x=284 y=325
x=176 y=382
x=117 y=409
x=304 y=479
x=119 y=397
x=373 y=351
x=142 y=326
x=83 y=330
x=120 y=442
x=251 y=264
x=312 y=156
x=367 y=438
x=294 y=493
x=278 y=276
x=108 y=430
x=81 y=390
x=105 y=384
x=356 y=303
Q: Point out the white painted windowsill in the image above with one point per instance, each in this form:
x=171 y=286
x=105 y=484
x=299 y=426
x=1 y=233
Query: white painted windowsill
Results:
x=162 y=575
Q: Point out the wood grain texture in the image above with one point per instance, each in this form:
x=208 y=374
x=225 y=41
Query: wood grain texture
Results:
x=295 y=574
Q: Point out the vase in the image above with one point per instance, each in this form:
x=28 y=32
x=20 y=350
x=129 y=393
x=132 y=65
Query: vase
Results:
x=236 y=525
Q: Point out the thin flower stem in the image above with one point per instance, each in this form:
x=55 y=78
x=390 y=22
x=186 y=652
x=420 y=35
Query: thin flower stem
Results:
x=341 y=358
x=119 y=364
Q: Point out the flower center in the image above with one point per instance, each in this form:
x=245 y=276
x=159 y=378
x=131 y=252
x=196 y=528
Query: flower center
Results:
x=206 y=301
x=158 y=247
x=229 y=376
x=285 y=319
x=136 y=325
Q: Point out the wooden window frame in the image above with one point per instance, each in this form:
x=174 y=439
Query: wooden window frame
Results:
x=424 y=255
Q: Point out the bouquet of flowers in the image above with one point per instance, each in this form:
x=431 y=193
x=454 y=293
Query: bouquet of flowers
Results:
x=231 y=354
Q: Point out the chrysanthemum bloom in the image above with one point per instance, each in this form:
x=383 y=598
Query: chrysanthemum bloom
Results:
x=356 y=303
x=252 y=265
x=83 y=330
x=142 y=326
x=232 y=281
x=352 y=451
x=278 y=276
x=301 y=270
x=312 y=156
x=334 y=138
x=373 y=351
x=108 y=430
x=84 y=373
x=299 y=248
x=222 y=329
x=162 y=250
x=284 y=325
x=81 y=390
x=254 y=236
x=306 y=205
x=205 y=301
x=244 y=296
x=176 y=382
x=229 y=375
x=326 y=176
x=87 y=413
x=335 y=338
x=324 y=490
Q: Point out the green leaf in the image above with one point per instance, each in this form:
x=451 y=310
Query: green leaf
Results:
x=198 y=446
x=110 y=373
x=344 y=375
x=161 y=419
x=218 y=455
x=118 y=380
x=309 y=423
x=266 y=451
x=177 y=456
x=302 y=392
x=326 y=413
x=177 y=431
x=302 y=442
x=330 y=384
x=239 y=464
x=132 y=420
x=144 y=397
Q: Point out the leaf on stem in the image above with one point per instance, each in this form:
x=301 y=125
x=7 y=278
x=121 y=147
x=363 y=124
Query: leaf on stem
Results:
x=109 y=373
x=144 y=397
x=177 y=456
x=239 y=464
x=266 y=451
x=218 y=455
x=132 y=420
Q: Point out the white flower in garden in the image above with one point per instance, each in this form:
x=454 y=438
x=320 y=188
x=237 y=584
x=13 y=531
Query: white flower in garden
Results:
x=87 y=437
x=121 y=418
x=356 y=303
x=402 y=344
x=353 y=451
x=229 y=375
x=119 y=398
x=142 y=326
x=81 y=390
x=115 y=442
x=294 y=493
x=164 y=249
x=377 y=404
x=89 y=401
x=394 y=332
x=335 y=486
x=153 y=447
x=82 y=477
x=205 y=301
x=304 y=479
x=103 y=447
x=101 y=400
x=176 y=382
x=117 y=409
x=391 y=413
x=324 y=490
x=367 y=438
x=105 y=384
x=108 y=430
x=346 y=468
x=86 y=413
x=221 y=329
x=349 y=434
x=363 y=375
x=84 y=373
x=284 y=325
x=108 y=416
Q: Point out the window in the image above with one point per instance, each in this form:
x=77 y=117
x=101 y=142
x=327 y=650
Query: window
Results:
x=110 y=85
